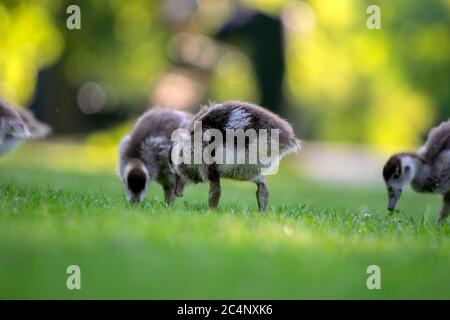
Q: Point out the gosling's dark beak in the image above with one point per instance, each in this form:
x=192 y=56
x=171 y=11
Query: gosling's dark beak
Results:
x=134 y=200
x=394 y=196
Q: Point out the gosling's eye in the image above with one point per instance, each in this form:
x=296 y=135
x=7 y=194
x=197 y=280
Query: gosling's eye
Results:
x=407 y=169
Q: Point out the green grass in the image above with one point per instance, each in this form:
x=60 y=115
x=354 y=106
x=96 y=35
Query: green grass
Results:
x=316 y=241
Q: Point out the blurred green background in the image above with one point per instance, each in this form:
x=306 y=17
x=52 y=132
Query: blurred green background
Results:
x=353 y=94
x=335 y=79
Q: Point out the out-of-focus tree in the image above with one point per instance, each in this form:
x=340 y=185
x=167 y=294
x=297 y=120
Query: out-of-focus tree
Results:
x=261 y=37
x=29 y=41
x=122 y=46
x=114 y=58
x=385 y=87
x=348 y=83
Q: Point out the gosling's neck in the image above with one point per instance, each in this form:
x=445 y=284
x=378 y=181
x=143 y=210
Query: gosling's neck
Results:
x=419 y=170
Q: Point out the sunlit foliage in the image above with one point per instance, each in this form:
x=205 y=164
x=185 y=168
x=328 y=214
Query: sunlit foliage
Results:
x=29 y=41
x=384 y=87
x=121 y=46
x=233 y=79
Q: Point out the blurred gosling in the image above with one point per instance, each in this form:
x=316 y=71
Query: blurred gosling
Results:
x=17 y=125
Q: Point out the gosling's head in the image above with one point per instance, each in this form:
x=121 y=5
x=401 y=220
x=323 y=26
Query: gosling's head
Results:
x=398 y=172
x=135 y=180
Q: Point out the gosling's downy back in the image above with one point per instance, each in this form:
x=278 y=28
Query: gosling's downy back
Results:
x=437 y=142
x=243 y=115
x=150 y=139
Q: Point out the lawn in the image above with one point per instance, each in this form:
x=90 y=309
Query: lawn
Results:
x=316 y=241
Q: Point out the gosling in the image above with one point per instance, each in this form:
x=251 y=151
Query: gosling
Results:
x=144 y=154
x=256 y=131
x=428 y=170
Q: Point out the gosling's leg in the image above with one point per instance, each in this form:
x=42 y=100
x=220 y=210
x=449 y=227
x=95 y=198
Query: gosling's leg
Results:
x=179 y=186
x=214 y=187
x=445 y=209
x=262 y=193
x=169 y=194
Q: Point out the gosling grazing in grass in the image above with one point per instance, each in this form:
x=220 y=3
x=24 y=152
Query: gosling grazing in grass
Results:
x=34 y=128
x=144 y=154
x=218 y=157
x=428 y=170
